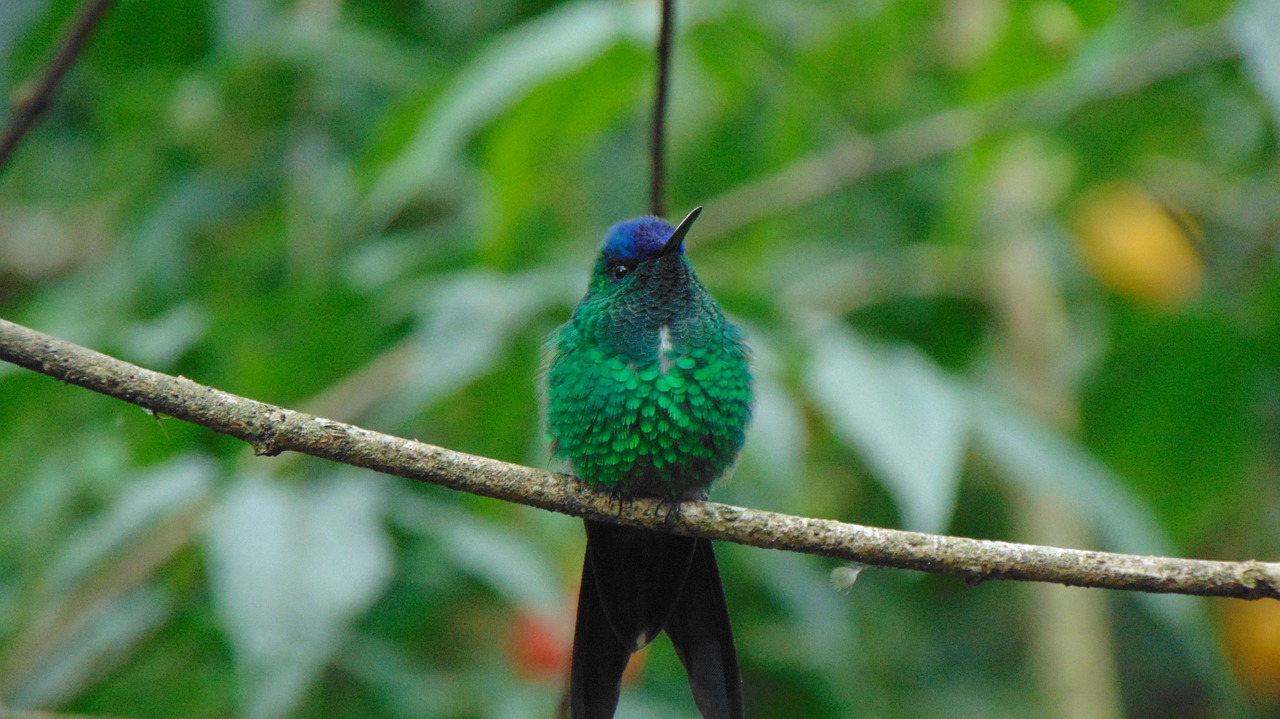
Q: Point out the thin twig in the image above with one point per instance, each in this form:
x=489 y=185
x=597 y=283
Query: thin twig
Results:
x=33 y=104
x=271 y=430
x=658 y=148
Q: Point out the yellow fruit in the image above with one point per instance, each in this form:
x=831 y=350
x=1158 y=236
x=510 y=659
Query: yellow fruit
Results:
x=1251 y=634
x=1135 y=247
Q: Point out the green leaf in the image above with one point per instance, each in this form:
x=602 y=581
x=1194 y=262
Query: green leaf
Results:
x=775 y=448
x=501 y=559
x=1030 y=454
x=144 y=502
x=821 y=623
x=291 y=568
x=1255 y=27
x=901 y=413
x=466 y=321
x=158 y=342
x=553 y=44
x=18 y=17
x=1176 y=397
x=107 y=639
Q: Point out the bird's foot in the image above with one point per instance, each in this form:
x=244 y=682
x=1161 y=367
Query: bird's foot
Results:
x=671 y=505
x=622 y=499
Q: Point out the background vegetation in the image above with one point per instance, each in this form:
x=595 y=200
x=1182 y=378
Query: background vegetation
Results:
x=1009 y=268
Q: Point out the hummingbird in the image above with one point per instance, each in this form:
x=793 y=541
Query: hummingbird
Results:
x=649 y=394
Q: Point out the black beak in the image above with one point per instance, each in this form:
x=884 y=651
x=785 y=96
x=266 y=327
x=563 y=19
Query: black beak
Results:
x=677 y=236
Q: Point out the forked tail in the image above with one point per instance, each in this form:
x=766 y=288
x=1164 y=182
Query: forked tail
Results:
x=636 y=583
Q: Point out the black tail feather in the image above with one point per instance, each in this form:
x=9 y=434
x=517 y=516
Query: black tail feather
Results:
x=635 y=583
x=638 y=574
x=700 y=630
x=595 y=678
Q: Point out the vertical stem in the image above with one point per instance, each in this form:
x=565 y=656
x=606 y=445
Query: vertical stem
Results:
x=658 y=147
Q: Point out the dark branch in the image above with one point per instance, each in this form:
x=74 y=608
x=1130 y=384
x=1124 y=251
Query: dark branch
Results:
x=32 y=106
x=658 y=148
x=272 y=430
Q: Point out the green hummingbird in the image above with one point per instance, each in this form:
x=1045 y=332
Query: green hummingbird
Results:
x=649 y=395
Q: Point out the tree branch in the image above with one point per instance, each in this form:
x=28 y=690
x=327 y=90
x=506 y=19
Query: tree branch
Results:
x=272 y=430
x=33 y=104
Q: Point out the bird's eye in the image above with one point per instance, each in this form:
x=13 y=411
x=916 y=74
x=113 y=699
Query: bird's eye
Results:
x=620 y=270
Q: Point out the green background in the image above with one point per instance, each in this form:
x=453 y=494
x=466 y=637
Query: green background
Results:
x=1008 y=267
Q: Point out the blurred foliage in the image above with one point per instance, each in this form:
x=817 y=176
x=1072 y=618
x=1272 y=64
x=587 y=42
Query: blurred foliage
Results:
x=990 y=253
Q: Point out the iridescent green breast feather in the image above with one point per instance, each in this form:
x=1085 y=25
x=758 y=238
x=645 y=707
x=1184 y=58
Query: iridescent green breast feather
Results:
x=648 y=388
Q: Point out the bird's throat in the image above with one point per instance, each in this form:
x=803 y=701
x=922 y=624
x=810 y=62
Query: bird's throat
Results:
x=664 y=348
